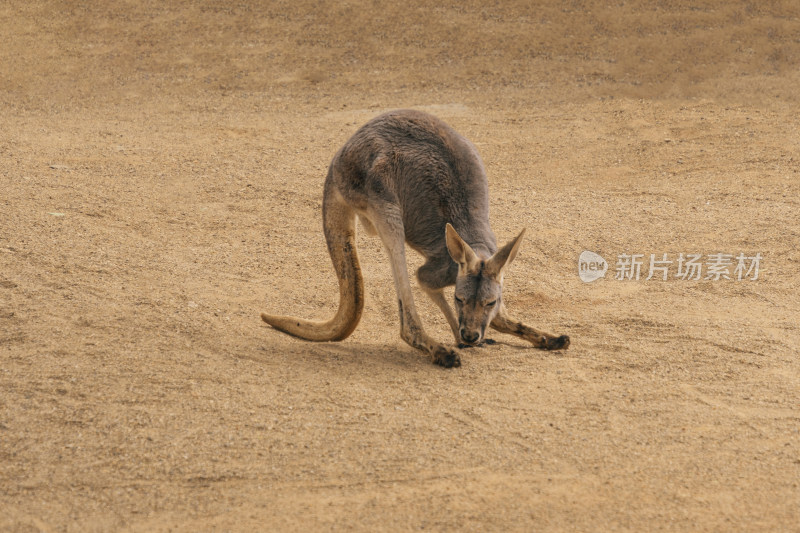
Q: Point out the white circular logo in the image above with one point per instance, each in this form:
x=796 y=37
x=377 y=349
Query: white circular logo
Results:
x=591 y=266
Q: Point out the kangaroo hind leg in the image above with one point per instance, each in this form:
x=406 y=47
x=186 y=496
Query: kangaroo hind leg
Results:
x=339 y=226
x=389 y=225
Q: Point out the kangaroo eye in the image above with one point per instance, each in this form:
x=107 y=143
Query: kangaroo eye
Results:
x=459 y=300
x=491 y=304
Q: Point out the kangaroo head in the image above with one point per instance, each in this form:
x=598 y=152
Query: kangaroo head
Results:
x=479 y=284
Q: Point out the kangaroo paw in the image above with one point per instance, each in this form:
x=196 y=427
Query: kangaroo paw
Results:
x=557 y=343
x=484 y=343
x=446 y=357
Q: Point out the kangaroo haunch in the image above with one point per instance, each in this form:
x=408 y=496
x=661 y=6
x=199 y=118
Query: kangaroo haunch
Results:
x=410 y=178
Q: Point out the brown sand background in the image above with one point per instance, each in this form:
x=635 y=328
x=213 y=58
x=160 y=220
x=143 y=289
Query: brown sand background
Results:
x=160 y=185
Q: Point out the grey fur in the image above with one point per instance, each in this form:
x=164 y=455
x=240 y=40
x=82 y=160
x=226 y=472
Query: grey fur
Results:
x=408 y=175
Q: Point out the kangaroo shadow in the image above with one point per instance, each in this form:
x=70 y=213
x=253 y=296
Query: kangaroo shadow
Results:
x=371 y=354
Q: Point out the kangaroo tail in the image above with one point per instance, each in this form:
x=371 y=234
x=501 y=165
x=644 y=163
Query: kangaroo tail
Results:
x=340 y=232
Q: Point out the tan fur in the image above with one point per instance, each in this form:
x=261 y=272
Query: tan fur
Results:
x=339 y=225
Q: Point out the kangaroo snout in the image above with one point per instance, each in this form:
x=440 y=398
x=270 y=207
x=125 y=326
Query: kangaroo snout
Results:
x=469 y=337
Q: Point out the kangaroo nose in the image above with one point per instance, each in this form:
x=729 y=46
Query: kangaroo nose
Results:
x=469 y=337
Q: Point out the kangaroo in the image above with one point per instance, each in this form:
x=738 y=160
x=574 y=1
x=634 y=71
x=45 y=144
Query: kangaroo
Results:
x=410 y=178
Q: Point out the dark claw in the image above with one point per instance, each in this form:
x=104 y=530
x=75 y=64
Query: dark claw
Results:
x=481 y=344
x=447 y=358
x=558 y=343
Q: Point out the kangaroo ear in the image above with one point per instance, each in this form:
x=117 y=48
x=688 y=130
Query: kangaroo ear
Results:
x=459 y=250
x=504 y=256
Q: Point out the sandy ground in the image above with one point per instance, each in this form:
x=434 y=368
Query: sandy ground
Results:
x=160 y=185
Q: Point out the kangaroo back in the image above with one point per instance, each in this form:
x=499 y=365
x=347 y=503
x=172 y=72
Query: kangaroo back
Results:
x=433 y=175
x=339 y=226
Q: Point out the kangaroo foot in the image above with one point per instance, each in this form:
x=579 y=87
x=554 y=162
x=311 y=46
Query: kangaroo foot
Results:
x=446 y=357
x=556 y=343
